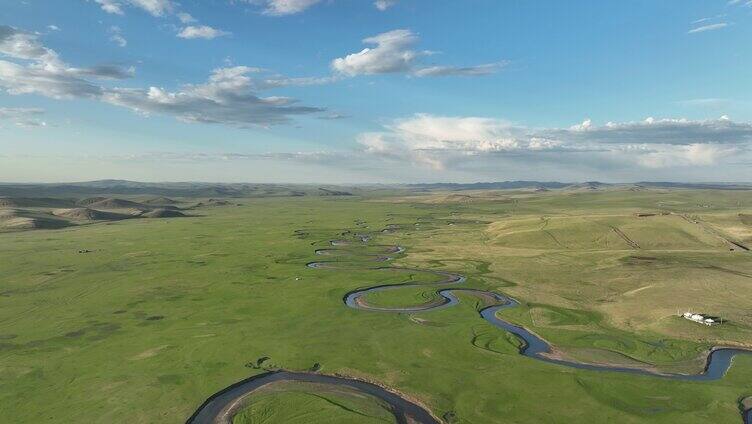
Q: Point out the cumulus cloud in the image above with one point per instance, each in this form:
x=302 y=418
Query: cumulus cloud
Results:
x=56 y=83
x=159 y=8
x=201 y=31
x=283 y=7
x=439 y=142
x=292 y=7
x=23 y=117
x=383 y=5
x=434 y=140
x=229 y=96
x=153 y=7
x=225 y=99
x=394 y=52
x=110 y=6
x=23 y=45
x=41 y=71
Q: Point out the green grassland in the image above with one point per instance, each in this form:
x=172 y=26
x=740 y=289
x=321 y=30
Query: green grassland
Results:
x=305 y=403
x=162 y=313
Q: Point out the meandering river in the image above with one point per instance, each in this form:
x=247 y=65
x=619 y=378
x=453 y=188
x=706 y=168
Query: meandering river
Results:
x=221 y=407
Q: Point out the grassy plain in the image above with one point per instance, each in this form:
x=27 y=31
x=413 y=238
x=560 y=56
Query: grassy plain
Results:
x=304 y=403
x=163 y=313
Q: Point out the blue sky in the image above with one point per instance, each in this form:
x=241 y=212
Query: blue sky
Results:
x=284 y=90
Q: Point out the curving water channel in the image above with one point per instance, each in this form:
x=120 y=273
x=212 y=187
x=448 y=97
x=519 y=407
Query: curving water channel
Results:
x=222 y=406
x=746 y=407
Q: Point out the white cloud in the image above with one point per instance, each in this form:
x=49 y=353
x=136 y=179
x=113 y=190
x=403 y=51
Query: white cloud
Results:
x=393 y=52
x=383 y=5
x=159 y=8
x=201 y=31
x=662 y=131
x=690 y=155
x=23 y=117
x=283 y=7
x=292 y=7
x=584 y=126
x=153 y=7
x=228 y=97
x=119 y=40
x=117 y=36
x=422 y=132
x=186 y=18
x=24 y=45
x=225 y=99
x=53 y=27
x=111 y=6
x=41 y=71
x=16 y=79
x=441 y=142
x=709 y=27
x=434 y=140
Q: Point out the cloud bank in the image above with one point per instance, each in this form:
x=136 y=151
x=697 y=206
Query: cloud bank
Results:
x=225 y=99
x=441 y=142
x=39 y=70
x=228 y=97
x=394 y=52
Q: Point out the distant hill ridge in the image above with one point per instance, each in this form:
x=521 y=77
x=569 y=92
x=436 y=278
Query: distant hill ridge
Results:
x=587 y=185
x=501 y=185
x=104 y=189
x=32 y=202
x=164 y=191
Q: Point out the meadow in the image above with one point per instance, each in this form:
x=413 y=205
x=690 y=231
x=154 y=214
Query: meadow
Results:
x=159 y=314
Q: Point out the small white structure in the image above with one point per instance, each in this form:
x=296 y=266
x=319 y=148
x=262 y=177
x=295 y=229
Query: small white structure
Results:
x=699 y=318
